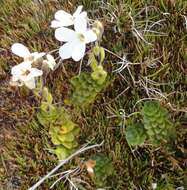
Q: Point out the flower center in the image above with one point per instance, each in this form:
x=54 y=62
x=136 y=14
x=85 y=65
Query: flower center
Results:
x=81 y=37
x=25 y=72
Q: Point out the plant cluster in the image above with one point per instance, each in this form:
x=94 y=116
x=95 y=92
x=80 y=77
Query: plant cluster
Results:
x=85 y=87
x=100 y=168
x=156 y=126
x=75 y=32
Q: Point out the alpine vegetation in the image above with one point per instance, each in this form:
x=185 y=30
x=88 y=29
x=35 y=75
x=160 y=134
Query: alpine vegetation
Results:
x=93 y=96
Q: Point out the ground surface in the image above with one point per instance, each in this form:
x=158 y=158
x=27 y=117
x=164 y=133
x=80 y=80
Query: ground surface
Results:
x=131 y=29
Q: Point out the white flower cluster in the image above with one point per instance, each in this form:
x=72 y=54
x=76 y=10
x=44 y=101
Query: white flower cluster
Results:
x=24 y=73
x=75 y=40
x=74 y=47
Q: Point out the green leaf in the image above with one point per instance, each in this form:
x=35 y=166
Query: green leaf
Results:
x=135 y=134
x=158 y=126
x=47 y=95
x=68 y=137
x=103 y=168
x=55 y=140
x=70 y=145
x=62 y=152
x=67 y=127
x=99 y=75
x=75 y=131
x=84 y=89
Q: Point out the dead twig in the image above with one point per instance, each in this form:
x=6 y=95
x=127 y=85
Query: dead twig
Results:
x=62 y=162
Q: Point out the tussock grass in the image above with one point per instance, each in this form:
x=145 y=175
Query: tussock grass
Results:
x=152 y=35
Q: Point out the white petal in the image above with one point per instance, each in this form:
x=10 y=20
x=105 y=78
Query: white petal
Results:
x=61 y=14
x=66 y=50
x=30 y=83
x=56 y=24
x=80 y=24
x=20 y=50
x=65 y=34
x=90 y=36
x=50 y=58
x=35 y=72
x=84 y=14
x=41 y=54
x=50 y=61
x=65 y=18
x=14 y=78
x=78 y=11
x=78 y=51
x=25 y=65
x=17 y=69
x=38 y=55
x=34 y=56
x=51 y=65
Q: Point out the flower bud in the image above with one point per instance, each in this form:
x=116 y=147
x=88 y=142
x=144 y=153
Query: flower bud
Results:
x=98 y=28
x=99 y=75
x=49 y=61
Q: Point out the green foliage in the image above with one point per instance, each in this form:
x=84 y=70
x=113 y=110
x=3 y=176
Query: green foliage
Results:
x=156 y=122
x=135 y=134
x=64 y=137
x=86 y=86
x=99 y=75
x=119 y=37
x=61 y=129
x=103 y=168
x=84 y=90
x=96 y=56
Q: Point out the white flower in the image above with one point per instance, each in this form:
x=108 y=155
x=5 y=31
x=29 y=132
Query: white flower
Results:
x=35 y=57
x=63 y=18
x=22 y=51
x=25 y=74
x=50 y=61
x=76 y=41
